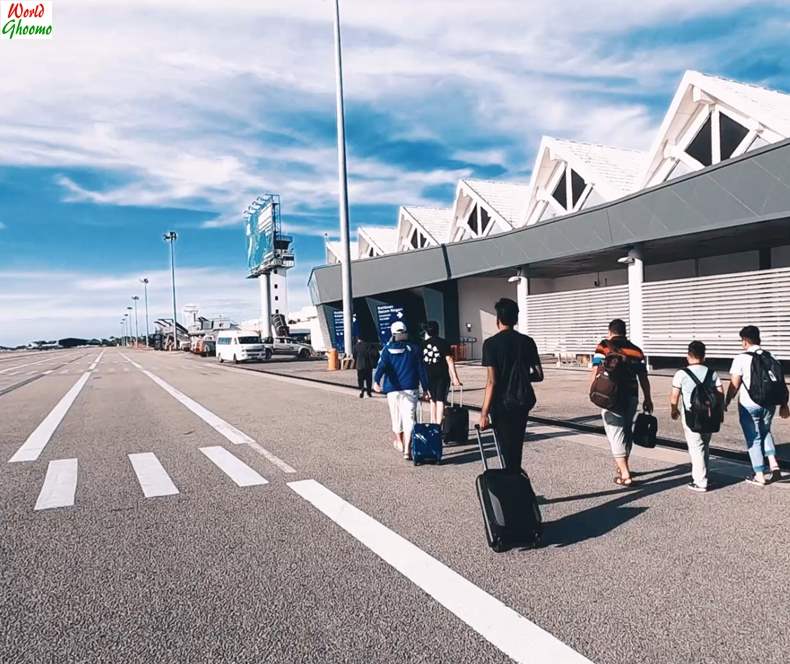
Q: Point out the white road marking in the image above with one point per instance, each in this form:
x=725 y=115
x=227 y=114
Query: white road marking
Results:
x=233 y=467
x=222 y=427
x=29 y=364
x=509 y=631
x=12 y=373
x=37 y=441
x=60 y=485
x=153 y=478
x=277 y=461
x=96 y=361
x=64 y=372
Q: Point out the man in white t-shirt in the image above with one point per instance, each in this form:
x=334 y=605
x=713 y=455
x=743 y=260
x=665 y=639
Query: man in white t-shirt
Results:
x=755 y=419
x=683 y=386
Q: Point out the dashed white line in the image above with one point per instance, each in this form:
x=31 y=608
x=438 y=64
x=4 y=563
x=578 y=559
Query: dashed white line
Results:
x=36 y=442
x=96 y=361
x=60 y=485
x=233 y=467
x=222 y=427
x=509 y=631
x=153 y=478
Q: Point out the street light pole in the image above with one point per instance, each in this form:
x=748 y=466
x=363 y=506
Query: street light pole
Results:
x=123 y=332
x=171 y=237
x=144 y=281
x=129 y=318
x=135 y=298
x=345 y=247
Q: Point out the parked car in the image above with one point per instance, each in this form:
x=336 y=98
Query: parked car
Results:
x=241 y=346
x=289 y=346
x=206 y=346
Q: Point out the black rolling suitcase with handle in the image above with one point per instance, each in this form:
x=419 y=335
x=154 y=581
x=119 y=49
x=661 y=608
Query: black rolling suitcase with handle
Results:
x=510 y=508
x=455 y=423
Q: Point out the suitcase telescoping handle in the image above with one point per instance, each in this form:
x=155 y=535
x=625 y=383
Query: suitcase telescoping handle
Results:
x=482 y=449
x=452 y=395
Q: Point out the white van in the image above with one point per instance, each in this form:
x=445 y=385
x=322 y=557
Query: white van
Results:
x=240 y=346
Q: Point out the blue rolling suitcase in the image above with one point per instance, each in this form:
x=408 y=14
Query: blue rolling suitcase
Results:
x=426 y=442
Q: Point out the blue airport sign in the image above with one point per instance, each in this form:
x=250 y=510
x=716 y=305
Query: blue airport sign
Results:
x=338 y=334
x=387 y=314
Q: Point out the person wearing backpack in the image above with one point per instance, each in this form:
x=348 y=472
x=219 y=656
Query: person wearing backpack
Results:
x=757 y=378
x=698 y=388
x=513 y=364
x=399 y=374
x=619 y=370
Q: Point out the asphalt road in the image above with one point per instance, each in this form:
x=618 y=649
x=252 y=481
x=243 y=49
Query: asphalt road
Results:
x=347 y=553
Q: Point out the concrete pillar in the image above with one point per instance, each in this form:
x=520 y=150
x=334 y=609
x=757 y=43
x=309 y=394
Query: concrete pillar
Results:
x=264 y=281
x=522 y=292
x=636 y=277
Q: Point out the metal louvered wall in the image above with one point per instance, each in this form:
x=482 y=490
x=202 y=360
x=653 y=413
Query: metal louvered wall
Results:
x=574 y=321
x=714 y=309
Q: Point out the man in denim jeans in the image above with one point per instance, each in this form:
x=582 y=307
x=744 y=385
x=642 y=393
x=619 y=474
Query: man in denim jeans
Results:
x=755 y=419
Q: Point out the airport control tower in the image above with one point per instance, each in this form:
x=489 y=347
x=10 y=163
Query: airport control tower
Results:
x=269 y=257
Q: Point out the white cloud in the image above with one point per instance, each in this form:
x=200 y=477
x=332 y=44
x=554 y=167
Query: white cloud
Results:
x=92 y=305
x=176 y=96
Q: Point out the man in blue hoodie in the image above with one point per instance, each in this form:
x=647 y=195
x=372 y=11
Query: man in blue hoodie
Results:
x=399 y=374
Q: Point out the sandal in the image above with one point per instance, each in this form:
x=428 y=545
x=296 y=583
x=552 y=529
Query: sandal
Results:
x=752 y=479
x=619 y=481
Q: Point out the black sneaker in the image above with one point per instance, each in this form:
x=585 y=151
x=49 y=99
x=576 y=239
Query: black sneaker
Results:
x=776 y=475
x=697 y=488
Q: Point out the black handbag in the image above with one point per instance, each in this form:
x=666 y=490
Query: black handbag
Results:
x=645 y=430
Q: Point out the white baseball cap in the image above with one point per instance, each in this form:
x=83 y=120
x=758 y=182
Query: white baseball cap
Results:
x=398 y=327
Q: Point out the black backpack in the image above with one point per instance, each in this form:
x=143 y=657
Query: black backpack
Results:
x=767 y=387
x=707 y=405
x=519 y=394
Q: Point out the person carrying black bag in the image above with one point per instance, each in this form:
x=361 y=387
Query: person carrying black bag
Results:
x=513 y=365
x=365 y=359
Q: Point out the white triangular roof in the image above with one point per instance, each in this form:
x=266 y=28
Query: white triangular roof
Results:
x=614 y=171
x=383 y=238
x=508 y=199
x=434 y=222
x=761 y=106
x=334 y=248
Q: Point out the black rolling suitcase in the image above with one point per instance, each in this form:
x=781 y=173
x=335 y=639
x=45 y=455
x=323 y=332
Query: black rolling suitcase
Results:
x=455 y=423
x=510 y=507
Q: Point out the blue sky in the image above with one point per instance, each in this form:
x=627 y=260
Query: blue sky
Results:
x=165 y=115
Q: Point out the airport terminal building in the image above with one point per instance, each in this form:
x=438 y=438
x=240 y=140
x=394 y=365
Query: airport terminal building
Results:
x=689 y=240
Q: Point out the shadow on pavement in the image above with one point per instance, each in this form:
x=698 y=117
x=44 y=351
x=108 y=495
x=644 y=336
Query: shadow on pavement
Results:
x=601 y=519
x=460 y=454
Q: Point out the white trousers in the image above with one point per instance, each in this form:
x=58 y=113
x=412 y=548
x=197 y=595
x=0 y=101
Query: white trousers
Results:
x=699 y=452
x=403 y=406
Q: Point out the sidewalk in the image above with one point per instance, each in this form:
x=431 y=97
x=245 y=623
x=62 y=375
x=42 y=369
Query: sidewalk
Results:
x=563 y=395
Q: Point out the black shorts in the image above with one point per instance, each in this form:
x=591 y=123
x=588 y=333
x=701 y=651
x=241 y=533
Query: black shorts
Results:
x=439 y=388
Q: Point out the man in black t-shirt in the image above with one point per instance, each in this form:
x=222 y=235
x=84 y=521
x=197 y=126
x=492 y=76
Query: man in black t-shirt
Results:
x=501 y=354
x=439 y=364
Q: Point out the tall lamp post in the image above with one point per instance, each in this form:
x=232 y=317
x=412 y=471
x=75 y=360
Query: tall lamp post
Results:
x=123 y=331
x=171 y=237
x=129 y=318
x=345 y=247
x=144 y=281
x=135 y=299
